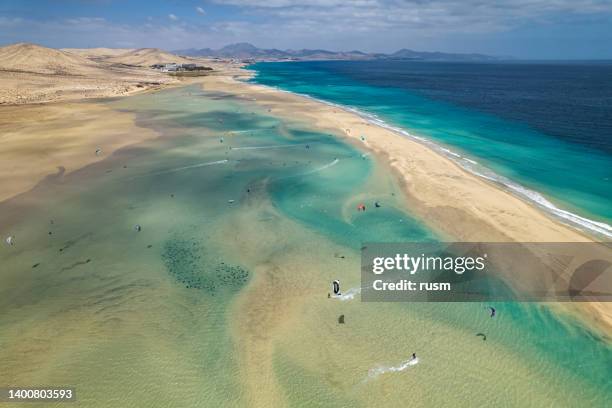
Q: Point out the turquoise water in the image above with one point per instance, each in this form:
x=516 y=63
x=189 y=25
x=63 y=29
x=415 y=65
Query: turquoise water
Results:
x=246 y=218
x=572 y=172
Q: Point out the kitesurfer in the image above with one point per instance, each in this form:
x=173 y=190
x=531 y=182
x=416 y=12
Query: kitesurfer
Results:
x=336 y=287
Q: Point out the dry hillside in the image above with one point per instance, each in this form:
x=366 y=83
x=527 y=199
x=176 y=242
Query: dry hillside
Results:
x=97 y=52
x=31 y=74
x=148 y=56
x=34 y=58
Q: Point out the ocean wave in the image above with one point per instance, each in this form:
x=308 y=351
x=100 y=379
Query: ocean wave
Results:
x=375 y=372
x=566 y=217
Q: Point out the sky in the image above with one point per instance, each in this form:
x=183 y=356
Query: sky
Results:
x=531 y=29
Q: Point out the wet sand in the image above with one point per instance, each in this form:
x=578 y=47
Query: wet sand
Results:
x=56 y=139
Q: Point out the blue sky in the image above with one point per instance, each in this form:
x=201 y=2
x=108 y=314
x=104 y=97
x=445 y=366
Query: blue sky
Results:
x=539 y=29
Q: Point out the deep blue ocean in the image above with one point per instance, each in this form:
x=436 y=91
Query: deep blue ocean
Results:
x=542 y=130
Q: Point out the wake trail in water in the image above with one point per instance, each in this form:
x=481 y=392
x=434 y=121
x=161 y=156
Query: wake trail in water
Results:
x=324 y=167
x=374 y=373
x=183 y=168
x=286 y=146
x=313 y=171
x=348 y=295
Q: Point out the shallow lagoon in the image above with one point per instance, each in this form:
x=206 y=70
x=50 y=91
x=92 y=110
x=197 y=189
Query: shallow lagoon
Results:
x=222 y=296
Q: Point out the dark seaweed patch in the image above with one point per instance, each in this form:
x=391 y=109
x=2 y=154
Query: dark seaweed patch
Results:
x=74 y=241
x=186 y=262
x=233 y=276
x=74 y=265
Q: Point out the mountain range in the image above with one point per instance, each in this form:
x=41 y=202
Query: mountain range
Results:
x=249 y=51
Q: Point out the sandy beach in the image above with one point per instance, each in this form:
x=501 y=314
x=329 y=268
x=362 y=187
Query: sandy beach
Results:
x=448 y=198
x=306 y=204
x=125 y=295
x=452 y=201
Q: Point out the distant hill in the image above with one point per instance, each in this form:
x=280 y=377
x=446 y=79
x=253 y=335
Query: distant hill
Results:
x=249 y=51
x=97 y=52
x=41 y=60
x=405 y=53
x=146 y=57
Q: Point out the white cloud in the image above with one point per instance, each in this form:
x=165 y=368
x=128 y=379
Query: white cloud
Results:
x=369 y=25
x=200 y=10
x=447 y=15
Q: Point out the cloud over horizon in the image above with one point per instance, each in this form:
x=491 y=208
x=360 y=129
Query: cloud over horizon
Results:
x=525 y=28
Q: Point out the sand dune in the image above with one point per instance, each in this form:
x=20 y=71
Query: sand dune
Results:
x=32 y=74
x=97 y=52
x=24 y=57
x=147 y=57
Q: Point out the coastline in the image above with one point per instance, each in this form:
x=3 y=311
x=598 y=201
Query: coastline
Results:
x=451 y=200
x=590 y=228
x=417 y=164
x=211 y=185
x=445 y=196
